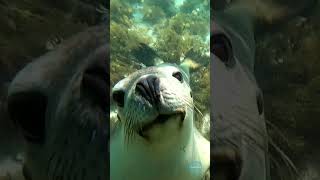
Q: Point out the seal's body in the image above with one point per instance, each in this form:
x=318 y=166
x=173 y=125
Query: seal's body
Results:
x=155 y=136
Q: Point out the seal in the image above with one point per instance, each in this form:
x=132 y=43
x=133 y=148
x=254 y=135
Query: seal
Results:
x=155 y=136
x=240 y=142
x=59 y=102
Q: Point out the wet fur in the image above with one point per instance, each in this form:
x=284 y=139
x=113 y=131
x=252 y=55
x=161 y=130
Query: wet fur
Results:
x=167 y=151
x=239 y=128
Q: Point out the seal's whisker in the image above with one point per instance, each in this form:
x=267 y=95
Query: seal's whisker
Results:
x=277 y=130
x=198 y=111
x=276 y=163
x=191 y=105
x=284 y=157
x=128 y=127
x=245 y=122
x=292 y=168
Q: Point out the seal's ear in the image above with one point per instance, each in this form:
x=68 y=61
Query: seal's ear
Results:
x=189 y=64
x=186 y=68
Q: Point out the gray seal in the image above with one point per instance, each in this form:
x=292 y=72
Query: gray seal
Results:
x=239 y=138
x=155 y=136
x=59 y=101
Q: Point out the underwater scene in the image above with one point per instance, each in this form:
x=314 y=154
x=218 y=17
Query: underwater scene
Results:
x=160 y=79
x=146 y=33
x=280 y=89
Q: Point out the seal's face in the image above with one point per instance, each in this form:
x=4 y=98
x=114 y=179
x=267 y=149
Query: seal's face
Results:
x=239 y=147
x=153 y=103
x=60 y=103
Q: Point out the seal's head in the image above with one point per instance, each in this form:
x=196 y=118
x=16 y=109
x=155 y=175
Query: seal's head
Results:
x=155 y=127
x=60 y=102
x=240 y=145
x=154 y=104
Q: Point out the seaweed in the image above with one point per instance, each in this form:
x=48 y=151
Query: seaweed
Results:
x=152 y=14
x=172 y=47
x=168 y=6
x=190 y=5
x=155 y=30
x=124 y=40
x=121 y=13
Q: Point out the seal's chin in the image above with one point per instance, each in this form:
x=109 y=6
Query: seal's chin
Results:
x=226 y=163
x=161 y=120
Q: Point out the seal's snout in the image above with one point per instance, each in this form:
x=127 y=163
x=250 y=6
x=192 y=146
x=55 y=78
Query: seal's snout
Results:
x=149 y=88
x=227 y=163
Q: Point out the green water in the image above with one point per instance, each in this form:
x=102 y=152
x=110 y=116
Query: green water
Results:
x=146 y=32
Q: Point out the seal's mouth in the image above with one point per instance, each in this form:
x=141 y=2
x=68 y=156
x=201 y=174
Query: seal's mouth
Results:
x=226 y=163
x=161 y=119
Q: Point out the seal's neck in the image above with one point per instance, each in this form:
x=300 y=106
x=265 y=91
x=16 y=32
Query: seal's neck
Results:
x=172 y=155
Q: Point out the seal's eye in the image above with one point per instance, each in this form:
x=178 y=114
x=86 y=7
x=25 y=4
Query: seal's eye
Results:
x=118 y=97
x=178 y=76
x=222 y=48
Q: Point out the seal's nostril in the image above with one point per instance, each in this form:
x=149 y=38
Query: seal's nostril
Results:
x=118 y=97
x=149 y=88
x=260 y=103
x=28 y=111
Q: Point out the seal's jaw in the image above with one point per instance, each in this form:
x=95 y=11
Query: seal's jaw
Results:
x=161 y=124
